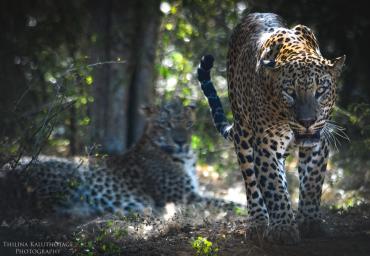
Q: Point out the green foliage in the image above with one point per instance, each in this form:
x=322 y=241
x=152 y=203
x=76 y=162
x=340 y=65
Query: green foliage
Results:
x=203 y=247
x=240 y=211
x=104 y=241
x=190 y=30
x=350 y=201
x=185 y=29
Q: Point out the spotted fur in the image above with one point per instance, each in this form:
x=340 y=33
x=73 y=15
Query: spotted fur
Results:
x=282 y=91
x=159 y=169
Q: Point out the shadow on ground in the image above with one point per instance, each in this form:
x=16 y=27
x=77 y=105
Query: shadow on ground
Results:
x=347 y=233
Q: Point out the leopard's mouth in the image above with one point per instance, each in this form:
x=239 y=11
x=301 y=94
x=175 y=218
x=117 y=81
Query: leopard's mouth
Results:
x=182 y=148
x=307 y=139
x=168 y=149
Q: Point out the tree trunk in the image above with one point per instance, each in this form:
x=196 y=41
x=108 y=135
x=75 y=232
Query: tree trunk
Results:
x=125 y=31
x=142 y=85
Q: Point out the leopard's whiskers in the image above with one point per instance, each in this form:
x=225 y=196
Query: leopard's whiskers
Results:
x=332 y=131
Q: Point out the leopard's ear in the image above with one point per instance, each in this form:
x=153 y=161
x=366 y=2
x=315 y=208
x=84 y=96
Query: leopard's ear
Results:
x=307 y=33
x=190 y=111
x=337 y=64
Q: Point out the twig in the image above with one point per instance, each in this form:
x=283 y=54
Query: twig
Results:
x=94 y=65
x=58 y=105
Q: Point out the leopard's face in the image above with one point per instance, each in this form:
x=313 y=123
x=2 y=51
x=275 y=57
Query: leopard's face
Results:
x=304 y=82
x=170 y=127
x=307 y=90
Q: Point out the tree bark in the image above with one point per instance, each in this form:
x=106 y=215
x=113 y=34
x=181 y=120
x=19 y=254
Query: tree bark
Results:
x=125 y=31
x=142 y=85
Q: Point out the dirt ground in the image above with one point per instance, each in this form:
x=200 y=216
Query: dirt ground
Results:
x=346 y=233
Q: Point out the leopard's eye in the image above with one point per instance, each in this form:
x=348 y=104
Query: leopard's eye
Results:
x=289 y=96
x=320 y=91
x=290 y=92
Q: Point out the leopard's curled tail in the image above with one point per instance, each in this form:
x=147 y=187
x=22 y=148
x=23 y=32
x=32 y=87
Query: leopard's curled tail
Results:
x=218 y=113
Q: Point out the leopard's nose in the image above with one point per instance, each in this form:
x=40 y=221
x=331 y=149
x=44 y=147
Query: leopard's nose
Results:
x=307 y=122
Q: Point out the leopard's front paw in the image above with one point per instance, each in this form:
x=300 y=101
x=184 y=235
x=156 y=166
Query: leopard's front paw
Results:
x=256 y=232
x=311 y=228
x=283 y=234
x=256 y=228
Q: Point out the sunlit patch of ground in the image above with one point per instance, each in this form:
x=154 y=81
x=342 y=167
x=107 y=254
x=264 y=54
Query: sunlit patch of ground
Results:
x=214 y=184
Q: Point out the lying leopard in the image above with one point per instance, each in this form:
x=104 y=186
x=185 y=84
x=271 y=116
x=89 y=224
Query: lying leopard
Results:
x=281 y=91
x=159 y=169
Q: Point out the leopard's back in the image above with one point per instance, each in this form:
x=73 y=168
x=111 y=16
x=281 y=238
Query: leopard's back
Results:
x=243 y=55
